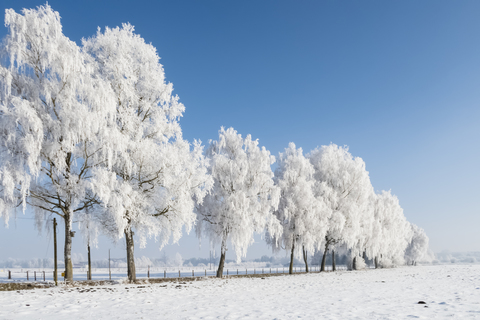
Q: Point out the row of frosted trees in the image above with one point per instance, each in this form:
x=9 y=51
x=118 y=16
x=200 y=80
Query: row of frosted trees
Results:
x=318 y=202
x=92 y=133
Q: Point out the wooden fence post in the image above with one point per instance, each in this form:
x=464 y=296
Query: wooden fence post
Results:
x=193 y=273
x=179 y=273
x=35 y=275
x=148 y=272
x=27 y=276
x=43 y=275
x=164 y=273
x=9 y=274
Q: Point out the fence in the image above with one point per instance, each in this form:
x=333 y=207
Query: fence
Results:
x=80 y=274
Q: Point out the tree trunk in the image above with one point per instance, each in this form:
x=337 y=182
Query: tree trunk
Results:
x=67 y=215
x=132 y=277
x=290 y=269
x=89 y=264
x=305 y=258
x=354 y=263
x=322 y=268
x=68 y=245
x=55 y=272
x=365 y=256
x=376 y=262
x=333 y=261
x=222 y=257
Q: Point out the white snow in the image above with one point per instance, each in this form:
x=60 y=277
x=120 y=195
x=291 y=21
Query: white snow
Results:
x=450 y=291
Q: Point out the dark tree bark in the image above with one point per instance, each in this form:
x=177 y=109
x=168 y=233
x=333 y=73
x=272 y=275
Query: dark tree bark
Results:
x=222 y=257
x=55 y=272
x=376 y=262
x=365 y=256
x=333 y=261
x=354 y=263
x=132 y=277
x=305 y=258
x=324 y=258
x=290 y=269
x=89 y=264
x=68 y=245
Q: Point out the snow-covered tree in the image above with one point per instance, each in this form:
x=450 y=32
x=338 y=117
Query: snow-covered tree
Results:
x=418 y=245
x=243 y=197
x=156 y=175
x=54 y=123
x=395 y=232
x=303 y=217
x=344 y=185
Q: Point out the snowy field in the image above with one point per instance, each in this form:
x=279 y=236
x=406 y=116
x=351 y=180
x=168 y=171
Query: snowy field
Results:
x=450 y=291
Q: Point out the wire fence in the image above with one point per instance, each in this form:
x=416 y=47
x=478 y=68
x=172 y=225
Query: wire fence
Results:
x=79 y=274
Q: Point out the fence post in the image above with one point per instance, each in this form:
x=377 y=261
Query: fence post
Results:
x=43 y=275
x=270 y=270
x=246 y=271
x=254 y=271
x=109 y=270
x=193 y=273
x=27 y=276
x=148 y=272
x=179 y=273
x=35 y=275
x=237 y=272
x=164 y=273
x=9 y=274
x=295 y=269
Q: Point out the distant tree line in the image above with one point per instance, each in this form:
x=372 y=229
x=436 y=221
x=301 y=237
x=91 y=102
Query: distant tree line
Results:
x=90 y=133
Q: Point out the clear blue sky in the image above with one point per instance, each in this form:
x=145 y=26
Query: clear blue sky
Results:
x=396 y=81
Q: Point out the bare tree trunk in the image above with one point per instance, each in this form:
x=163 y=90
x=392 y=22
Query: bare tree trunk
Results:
x=322 y=268
x=222 y=257
x=68 y=245
x=376 y=262
x=354 y=263
x=67 y=215
x=89 y=264
x=55 y=272
x=132 y=277
x=305 y=258
x=290 y=269
x=365 y=256
x=333 y=261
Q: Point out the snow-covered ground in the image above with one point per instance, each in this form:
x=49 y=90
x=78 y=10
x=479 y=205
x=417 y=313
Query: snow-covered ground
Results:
x=450 y=291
